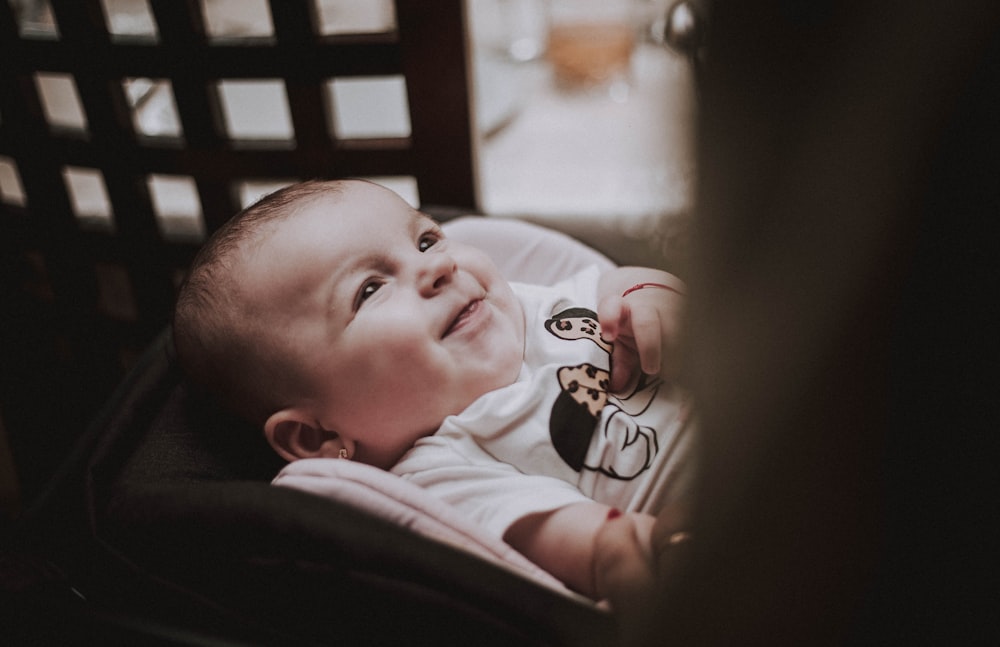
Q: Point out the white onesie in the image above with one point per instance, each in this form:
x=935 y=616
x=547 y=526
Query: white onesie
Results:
x=556 y=436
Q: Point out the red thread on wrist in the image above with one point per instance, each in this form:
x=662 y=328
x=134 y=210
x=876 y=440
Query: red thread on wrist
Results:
x=642 y=286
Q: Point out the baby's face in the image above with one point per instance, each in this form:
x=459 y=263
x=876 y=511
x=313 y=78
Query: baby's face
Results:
x=396 y=327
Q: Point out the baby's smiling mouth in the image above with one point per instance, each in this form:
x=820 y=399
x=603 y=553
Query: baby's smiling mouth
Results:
x=463 y=316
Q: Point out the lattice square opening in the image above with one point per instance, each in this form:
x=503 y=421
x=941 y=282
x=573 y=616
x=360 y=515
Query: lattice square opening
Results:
x=11 y=188
x=154 y=109
x=177 y=207
x=132 y=19
x=88 y=195
x=404 y=185
x=237 y=20
x=35 y=19
x=256 y=110
x=354 y=17
x=250 y=191
x=369 y=107
x=61 y=101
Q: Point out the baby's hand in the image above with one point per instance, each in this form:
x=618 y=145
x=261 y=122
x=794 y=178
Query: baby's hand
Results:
x=623 y=561
x=634 y=556
x=643 y=324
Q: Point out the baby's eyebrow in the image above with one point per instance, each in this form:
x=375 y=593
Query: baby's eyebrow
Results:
x=420 y=219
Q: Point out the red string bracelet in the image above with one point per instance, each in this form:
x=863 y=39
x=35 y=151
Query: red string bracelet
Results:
x=641 y=286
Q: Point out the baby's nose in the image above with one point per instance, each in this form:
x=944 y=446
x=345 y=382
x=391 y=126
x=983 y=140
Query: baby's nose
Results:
x=436 y=273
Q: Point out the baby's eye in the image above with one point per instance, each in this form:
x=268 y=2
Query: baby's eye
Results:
x=427 y=241
x=367 y=289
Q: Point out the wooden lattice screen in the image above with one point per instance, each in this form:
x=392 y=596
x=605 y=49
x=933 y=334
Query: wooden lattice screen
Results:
x=90 y=258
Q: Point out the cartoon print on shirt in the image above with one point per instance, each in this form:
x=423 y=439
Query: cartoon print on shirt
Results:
x=625 y=448
x=578 y=323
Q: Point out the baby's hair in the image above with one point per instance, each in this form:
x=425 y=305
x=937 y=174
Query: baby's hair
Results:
x=218 y=344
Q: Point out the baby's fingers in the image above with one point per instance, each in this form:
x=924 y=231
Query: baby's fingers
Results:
x=644 y=321
x=611 y=313
x=624 y=367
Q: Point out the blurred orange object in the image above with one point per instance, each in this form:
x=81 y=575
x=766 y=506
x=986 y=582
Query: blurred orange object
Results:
x=588 y=54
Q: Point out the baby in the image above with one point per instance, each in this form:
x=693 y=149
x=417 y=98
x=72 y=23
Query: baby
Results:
x=346 y=325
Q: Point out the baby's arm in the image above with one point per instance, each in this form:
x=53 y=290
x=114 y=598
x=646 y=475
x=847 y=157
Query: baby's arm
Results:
x=640 y=311
x=595 y=550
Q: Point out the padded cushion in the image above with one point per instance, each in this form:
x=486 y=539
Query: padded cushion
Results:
x=524 y=252
x=401 y=503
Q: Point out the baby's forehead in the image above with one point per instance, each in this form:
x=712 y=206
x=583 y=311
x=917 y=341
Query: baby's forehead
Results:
x=403 y=218
x=374 y=203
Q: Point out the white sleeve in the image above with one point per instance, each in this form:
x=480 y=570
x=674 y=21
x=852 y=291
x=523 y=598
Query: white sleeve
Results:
x=493 y=494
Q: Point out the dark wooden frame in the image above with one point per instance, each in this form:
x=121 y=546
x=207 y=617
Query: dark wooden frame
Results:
x=52 y=265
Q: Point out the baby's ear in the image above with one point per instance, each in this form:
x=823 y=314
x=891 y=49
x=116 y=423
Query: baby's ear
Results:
x=295 y=435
